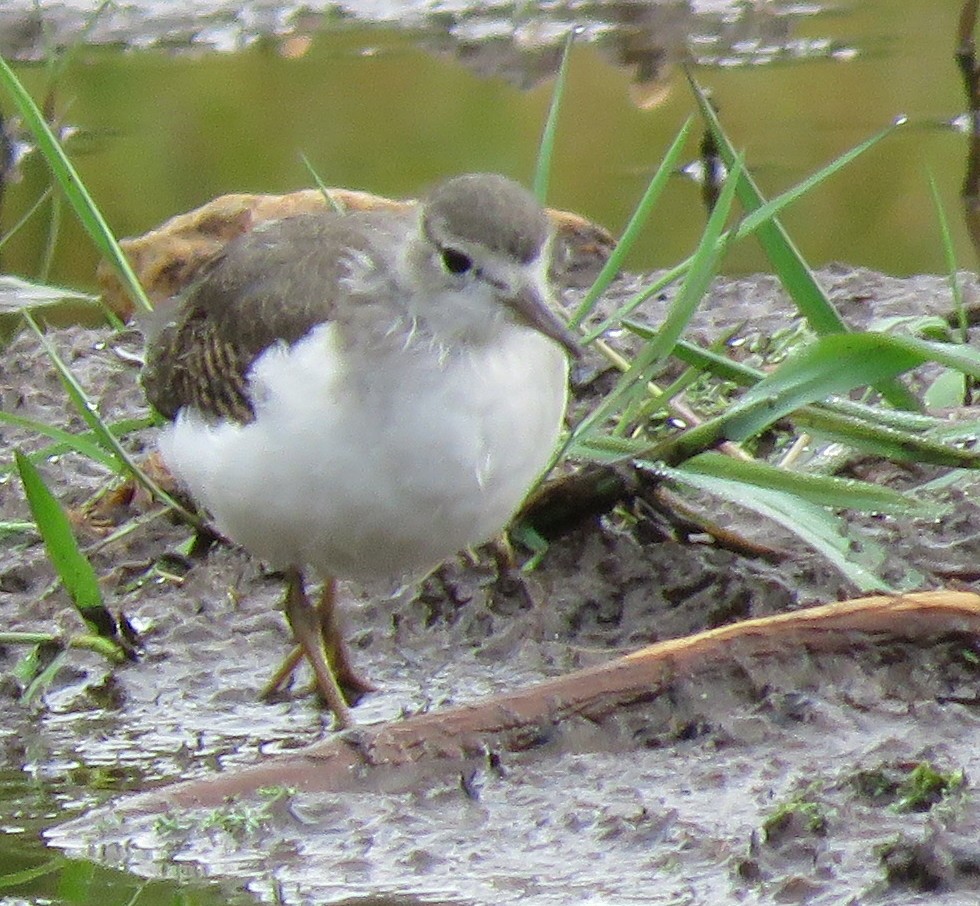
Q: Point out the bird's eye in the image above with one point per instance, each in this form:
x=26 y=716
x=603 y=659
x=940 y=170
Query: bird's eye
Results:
x=455 y=261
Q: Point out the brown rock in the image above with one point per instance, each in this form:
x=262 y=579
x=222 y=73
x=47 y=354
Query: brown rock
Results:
x=168 y=258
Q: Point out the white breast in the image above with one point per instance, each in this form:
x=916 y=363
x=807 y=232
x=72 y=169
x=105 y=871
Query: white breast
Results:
x=366 y=476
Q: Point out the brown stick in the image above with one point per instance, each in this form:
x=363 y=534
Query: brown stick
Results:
x=444 y=740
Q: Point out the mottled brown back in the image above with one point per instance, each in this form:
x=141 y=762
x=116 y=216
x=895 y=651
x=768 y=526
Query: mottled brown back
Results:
x=270 y=285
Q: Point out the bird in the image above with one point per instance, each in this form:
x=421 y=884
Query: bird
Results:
x=360 y=396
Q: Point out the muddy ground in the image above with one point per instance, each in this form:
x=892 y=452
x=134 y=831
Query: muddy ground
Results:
x=783 y=783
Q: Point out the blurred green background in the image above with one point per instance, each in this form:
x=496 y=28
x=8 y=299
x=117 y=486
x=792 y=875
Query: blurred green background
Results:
x=164 y=131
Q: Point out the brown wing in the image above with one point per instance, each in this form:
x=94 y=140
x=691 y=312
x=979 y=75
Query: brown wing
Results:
x=270 y=285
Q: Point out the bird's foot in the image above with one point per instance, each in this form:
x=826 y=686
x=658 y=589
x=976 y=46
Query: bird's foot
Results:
x=353 y=684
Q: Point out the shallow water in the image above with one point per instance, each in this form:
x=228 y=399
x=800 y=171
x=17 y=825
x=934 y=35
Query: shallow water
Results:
x=389 y=97
x=666 y=807
x=170 y=116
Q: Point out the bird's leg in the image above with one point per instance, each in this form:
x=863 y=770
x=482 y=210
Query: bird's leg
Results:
x=336 y=651
x=511 y=594
x=283 y=672
x=305 y=622
x=354 y=683
x=510 y=579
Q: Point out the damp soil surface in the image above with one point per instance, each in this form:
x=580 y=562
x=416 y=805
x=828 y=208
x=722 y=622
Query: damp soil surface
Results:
x=845 y=776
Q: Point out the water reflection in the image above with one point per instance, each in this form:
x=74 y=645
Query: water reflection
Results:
x=391 y=109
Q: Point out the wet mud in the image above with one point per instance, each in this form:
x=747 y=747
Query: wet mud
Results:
x=791 y=779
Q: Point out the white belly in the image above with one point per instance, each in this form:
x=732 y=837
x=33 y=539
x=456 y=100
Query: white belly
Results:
x=364 y=478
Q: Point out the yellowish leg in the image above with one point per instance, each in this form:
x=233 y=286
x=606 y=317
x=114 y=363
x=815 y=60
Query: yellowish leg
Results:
x=333 y=643
x=305 y=622
x=333 y=646
x=283 y=672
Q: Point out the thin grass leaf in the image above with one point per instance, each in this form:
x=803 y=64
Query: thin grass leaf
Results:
x=766 y=211
x=782 y=252
x=71 y=565
x=26 y=875
x=719 y=366
x=72 y=186
x=930 y=327
x=703 y=268
x=953 y=355
x=947 y=391
x=59 y=57
x=31 y=211
x=51 y=240
x=822 y=490
x=65 y=441
x=830 y=365
x=85 y=407
x=17 y=294
x=97 y=643
x=546 y=151
x=526 y=536
x=753 y=221
x=957 y=431
x=787 y=261
x=322 y=186
x=12 y=528
x=90 y=413
x=813 y=525
x=89 y=448
x=607 y=448
x=890 y=433
x=45 y=678
x=635 y=226
x=27 y=666
x=949 y=253
x=628 y=307
x=881 y=440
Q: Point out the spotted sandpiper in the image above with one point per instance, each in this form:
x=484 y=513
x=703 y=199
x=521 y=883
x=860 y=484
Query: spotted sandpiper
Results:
x=366 y=394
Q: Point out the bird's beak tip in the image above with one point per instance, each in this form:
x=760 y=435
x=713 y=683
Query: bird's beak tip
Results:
x=535 y=310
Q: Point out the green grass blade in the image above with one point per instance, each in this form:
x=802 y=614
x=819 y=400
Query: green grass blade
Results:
x=322 y=186
x=830 y=365
x=546 y=151
x=953 y=355
x=703 y=268
x=721 y=367
x=17 y=294
x=72 y=186
x=753 y=221
x=631 y=305
x=793 y=271
x=60 y=58
x=85 y=445
x=45 y=677
x=51 y=239
x=85 y=407
x=607 y=448
x=90 y=413
x=25 y=876
x=889 y=433
x=822 y=490
x=780 y=249
x=14 y=528
x=881 y=440
x=31 y=211
x=949 y=253
x=812 y=524
x=635 y=226
x=757 y=218
x=71 y=565
x=88 y=642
